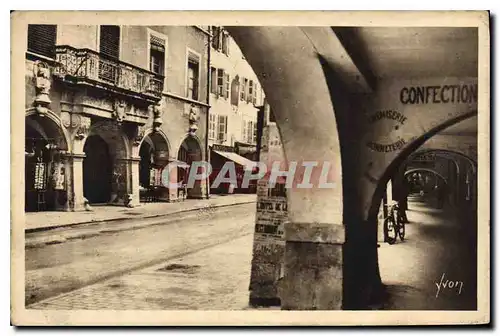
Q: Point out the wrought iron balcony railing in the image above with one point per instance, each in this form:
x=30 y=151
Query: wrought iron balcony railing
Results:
x=85 y=65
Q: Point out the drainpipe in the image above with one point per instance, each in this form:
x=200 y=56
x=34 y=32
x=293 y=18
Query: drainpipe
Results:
x=207 y=151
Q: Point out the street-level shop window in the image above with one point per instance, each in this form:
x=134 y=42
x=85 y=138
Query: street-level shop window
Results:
x=212 y=122
x=110 y=41
x=157 y=55
x=193 y=78
x=42 y=39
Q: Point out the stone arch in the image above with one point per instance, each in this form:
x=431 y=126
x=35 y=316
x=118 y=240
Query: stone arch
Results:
x=47 y=181
x=391 y=168
x=154 y=153
x=190 y=151
x=114 y=136
x=118 y=153
x=427 y=170
x=308 y=130
x=467 y=192
x=447 y=153
x=49 y=125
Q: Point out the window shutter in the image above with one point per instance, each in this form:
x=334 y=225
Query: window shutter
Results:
x=220 y=128
x=255 y=93
x=42 y=39
x=225 y=129
x=110 y=41
x=250 y=92
x=213 y=79
x=235 y=86
x=254 y=140
x=227 y=86
x=220 y=82
x=242 y=89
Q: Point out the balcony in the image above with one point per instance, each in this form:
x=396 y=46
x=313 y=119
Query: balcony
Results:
x=85 y=66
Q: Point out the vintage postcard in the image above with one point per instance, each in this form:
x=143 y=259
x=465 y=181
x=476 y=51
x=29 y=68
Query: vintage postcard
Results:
x=250 y=168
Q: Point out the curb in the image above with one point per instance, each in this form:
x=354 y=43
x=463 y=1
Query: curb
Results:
x=48 y=228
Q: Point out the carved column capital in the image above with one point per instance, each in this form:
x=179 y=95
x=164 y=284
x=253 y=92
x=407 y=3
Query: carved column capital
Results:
x=193 y=119
x=82 y=127
x=157 y=110
x=119 y=110
x=139 y=135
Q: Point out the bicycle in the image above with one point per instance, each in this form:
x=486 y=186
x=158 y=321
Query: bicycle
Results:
x=394 y=226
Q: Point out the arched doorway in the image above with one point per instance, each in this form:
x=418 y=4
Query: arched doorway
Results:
x=97 y=170
x=154 y=154
x=45 y=178
x=189 y=152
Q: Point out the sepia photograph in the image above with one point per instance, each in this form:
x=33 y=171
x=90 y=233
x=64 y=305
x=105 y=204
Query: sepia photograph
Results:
x=209 y=168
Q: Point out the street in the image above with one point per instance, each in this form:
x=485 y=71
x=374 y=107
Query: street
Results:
x=59 y=268
x=207 y=265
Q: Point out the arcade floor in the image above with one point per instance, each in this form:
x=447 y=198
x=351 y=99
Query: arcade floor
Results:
x=435 y=267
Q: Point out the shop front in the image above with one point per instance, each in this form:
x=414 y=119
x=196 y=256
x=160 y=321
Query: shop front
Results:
x=45 y=170
x=154 y=157
x=221 y=155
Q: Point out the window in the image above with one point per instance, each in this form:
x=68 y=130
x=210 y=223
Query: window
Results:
x=42 y=39
x=235 y=86
x=254 y=138
x=212 y=121
x=216 y=40
x=256 y=92
x=250 y=92
x=243 y=90
x=157 y=55
x=110 y=41
x=220 y=82
x=225 y=43
x=222 y=129
x=193 y=76
x=220 y=40
x=245 y=127
x=249 y=132
x=249 y=136
x=213 y=80
x=226 y=85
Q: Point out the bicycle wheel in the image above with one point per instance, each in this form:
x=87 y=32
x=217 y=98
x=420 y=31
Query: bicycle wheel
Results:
x=390 y=230
x=401 y=229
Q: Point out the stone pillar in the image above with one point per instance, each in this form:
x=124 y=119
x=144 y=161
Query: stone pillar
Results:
x=134 y=171
x=314 y=236
x=77 y=174
x=313 y=266
x=173 y=194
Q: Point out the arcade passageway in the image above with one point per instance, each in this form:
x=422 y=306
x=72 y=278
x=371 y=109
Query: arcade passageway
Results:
x=439 y=249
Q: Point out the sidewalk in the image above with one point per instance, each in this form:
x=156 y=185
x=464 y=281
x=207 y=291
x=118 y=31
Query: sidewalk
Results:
x=37 y=221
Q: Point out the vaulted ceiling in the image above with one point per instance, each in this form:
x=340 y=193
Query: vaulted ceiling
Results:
x=413 y=52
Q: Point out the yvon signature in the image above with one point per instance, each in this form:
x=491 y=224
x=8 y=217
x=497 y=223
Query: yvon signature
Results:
x=449 y=284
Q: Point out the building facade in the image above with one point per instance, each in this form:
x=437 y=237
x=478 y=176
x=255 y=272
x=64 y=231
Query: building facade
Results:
x=235 y=98
x=108 y=108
